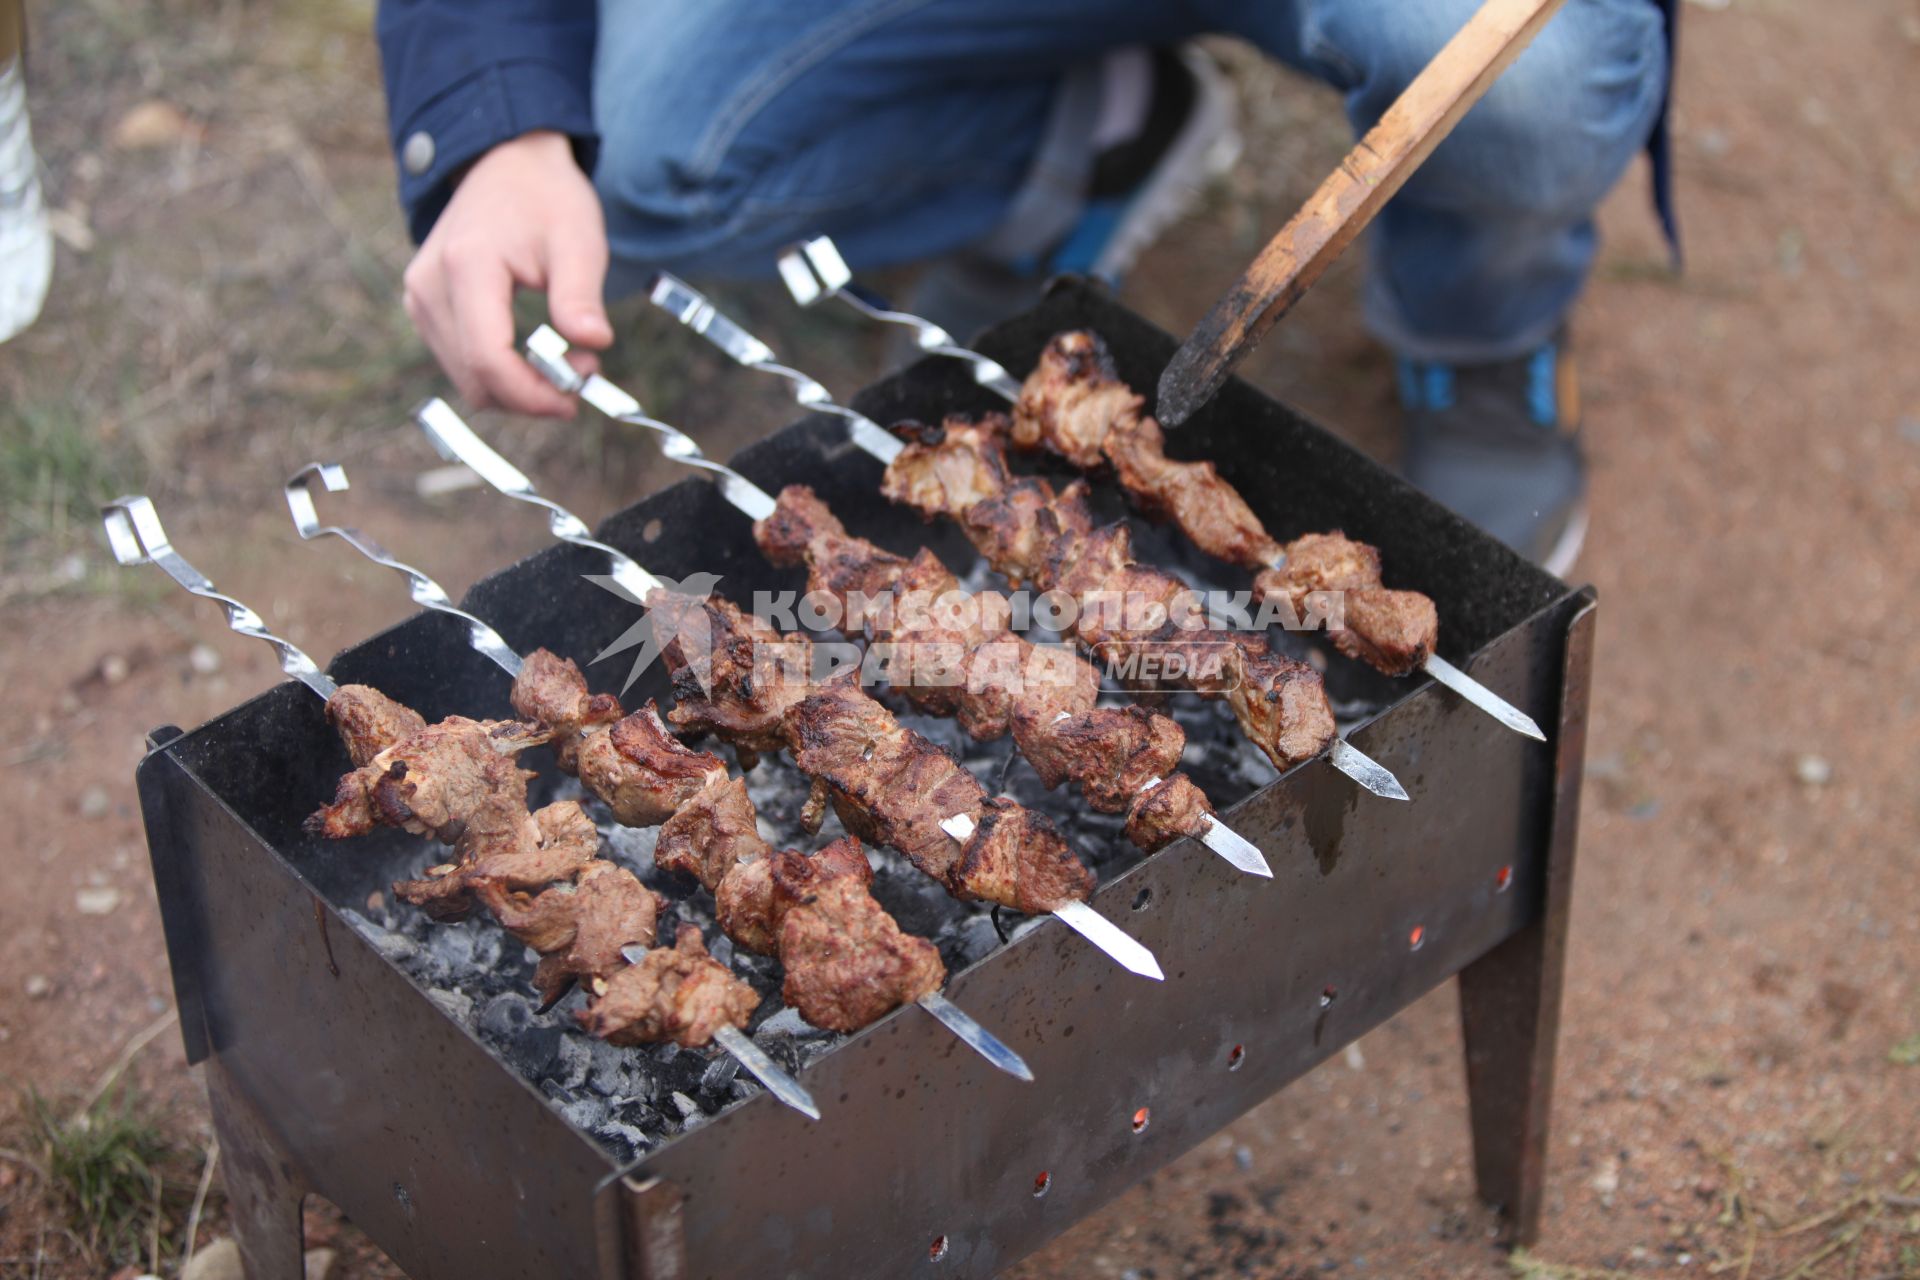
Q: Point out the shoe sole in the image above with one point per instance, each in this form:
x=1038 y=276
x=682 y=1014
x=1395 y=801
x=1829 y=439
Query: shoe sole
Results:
x=1205 y=148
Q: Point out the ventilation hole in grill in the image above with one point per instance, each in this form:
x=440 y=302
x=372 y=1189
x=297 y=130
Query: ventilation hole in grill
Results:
x=651 y=531
x=1142 y=898
x=1140 y=1119
x=938 y=1249
x=1417 y=938
x=1327 y=993
x=1236 y=1056
x=1042 y=1184
x=1502 y=879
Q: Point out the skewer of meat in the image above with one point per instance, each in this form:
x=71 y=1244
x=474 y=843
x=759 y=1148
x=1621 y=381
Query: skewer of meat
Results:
x=647 y=777
x=456 y=781
x=993 y=680
x=1299 y=713
x=891 y=786
x=1386 y=629
x=997 y=682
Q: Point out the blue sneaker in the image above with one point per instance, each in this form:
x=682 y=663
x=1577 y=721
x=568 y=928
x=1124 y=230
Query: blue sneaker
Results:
x=1499 y=444
x=1137 y=188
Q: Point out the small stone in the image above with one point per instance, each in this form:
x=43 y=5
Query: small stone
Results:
x=96 y=901
x=1814 y=771
x=318 y=1263
x=150 y=125
x=114 y=668
x=219 y=1260
x=94 y=802
x=39 y=986
x=204 y=659
x=1356 y=1060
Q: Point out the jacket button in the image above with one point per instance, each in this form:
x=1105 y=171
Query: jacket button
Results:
x=416 y=155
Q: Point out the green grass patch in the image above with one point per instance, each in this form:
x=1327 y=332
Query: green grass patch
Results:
x=54 y=473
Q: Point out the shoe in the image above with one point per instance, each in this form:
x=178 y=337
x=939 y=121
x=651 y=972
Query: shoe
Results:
x=1138 y=187
x=1499 y=444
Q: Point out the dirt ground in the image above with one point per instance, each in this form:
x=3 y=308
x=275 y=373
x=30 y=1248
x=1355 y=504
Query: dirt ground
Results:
x=1739 y=1083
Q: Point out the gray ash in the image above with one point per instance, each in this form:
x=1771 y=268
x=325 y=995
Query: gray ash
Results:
x=631 y=1101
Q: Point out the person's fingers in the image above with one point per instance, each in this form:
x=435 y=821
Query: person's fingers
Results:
x=481 y=299
x=576 y=284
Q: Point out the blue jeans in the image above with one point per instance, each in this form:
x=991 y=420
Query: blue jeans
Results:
x=905 y=129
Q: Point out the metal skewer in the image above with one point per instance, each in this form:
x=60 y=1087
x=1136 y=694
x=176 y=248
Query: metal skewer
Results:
x=548 y=350
x=814 y=269
x=489 y=642
x=136 y=535
x=470 y=448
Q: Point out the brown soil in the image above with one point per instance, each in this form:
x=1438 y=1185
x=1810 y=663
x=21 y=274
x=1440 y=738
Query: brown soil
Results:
x=1746 y=939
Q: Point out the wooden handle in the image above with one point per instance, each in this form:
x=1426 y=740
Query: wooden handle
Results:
x=1349 y=198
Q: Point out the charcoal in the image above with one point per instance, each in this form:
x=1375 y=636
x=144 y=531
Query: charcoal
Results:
x=719 y=1074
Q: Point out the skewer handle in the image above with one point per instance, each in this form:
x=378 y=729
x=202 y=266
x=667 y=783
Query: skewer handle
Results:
x=457 y=443
x=697 y=312
x=547 y=352
x=767 y=1071
x=814 y=269
x=425 y=591
x=137 y=537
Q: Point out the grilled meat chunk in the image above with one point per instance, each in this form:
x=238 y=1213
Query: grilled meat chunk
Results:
x=680 y=994
x=1173 y=809
x=577 y=928
x=550 y=690
x=714 y=839
x=550 y=845
x=642 y=771
x=456 y=781
x=847 y=960
x=369 y=722
x=1392 y=631
x=1073 y=405
x=1113 y=752
x=891 y=786
x=733 y=675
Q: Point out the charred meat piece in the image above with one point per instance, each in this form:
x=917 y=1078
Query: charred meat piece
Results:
x=847 y=961
x=1073 y=405
x=680 y=994
x=554 y=844
x=550 y=690
x=642 y=771
x=1113 y=752
x=577 y=928
x=1392 y=631
x=369 y=722
x=733 y=675
x=456 y=781
x=1171 y=810
x=710 y=834
x=891 y=786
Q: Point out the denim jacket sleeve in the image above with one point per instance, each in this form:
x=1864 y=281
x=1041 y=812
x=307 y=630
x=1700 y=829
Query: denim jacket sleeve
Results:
x=463 y=76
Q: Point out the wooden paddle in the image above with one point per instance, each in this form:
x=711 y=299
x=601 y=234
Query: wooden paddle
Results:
x=1346 y=202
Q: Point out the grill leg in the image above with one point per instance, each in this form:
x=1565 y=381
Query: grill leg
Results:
x=262 y=1188
x=1510 y=997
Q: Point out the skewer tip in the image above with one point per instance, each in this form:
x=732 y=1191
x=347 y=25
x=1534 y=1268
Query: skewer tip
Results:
x=1365 y=770
x=1482 y=697
x=1235 y=848
x=1123 y=949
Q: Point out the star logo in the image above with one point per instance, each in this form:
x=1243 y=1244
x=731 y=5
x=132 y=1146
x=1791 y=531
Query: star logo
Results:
x=686 y=629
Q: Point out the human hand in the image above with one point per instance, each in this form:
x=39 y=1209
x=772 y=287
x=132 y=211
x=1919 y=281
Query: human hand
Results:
x=524 y=216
